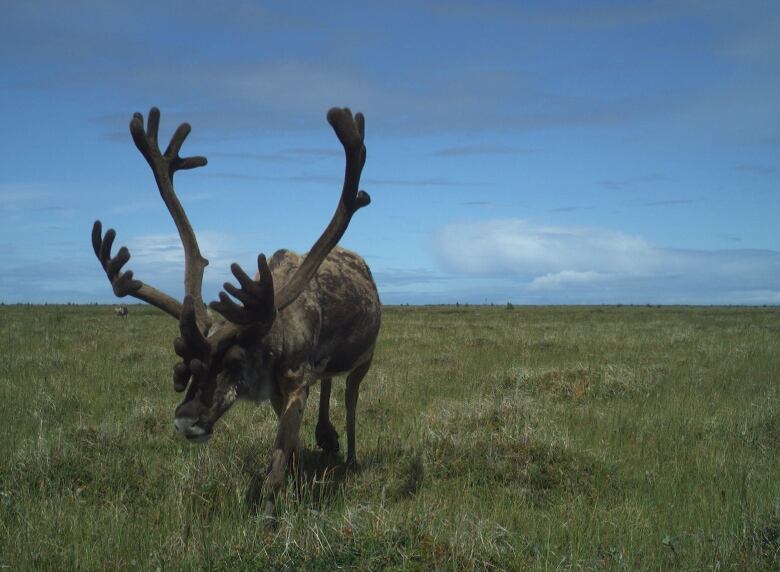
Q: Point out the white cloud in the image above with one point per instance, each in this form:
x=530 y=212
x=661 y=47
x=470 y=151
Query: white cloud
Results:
x=583 y=264
x=16 y=195
x=165 y=251
x=565 y=278
x=511 y=246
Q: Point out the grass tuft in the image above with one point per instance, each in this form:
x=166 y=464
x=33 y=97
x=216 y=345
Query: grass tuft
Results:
x=538 y=438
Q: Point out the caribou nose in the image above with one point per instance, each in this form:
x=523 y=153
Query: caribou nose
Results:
x=184 y=424
x=189 y=428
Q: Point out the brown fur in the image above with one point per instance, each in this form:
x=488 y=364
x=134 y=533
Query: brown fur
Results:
x=330 y=329
x=302 y=318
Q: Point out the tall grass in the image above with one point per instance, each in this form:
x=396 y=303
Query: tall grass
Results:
x=488 y=438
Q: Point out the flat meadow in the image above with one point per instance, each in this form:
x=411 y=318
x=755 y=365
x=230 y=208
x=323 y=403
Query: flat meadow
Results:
x=549 y=438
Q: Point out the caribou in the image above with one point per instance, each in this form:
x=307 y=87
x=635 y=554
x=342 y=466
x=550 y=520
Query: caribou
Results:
x=121 y=311
x=301 y=319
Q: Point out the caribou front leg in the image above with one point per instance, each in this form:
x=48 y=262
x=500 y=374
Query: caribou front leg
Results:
x=295 y=390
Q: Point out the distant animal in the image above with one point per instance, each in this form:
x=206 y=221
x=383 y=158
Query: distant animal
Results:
x=121 y=311
x=301 y=319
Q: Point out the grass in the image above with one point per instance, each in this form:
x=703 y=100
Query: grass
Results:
x=489 y=438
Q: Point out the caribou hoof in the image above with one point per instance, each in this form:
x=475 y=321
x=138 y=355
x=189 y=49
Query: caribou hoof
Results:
x=327 y=437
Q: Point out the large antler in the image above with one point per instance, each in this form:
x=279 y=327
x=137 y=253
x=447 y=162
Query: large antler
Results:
x=259 y=302
x=192 y=346
x=123 y=283
x=193 y=318
x=351 y=133
x=258 y=295
x=164 y=166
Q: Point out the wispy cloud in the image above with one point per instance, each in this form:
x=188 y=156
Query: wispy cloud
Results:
x=14 y=195
x=258 y=91
x=476 y=150
x=758 y=169
x=293 y=155
x=368 y=182
x=65 y=278
x=595 y=15
x=393 y=277
x=317 y=179
x=160 y=250
x=426 y=182
x=34 y=206
x=601 y=265
x=73 y=274
x=233 y=176
x=508 y=246
x=751 y=35
x=258 y=157
x=632 y=182
x=481 y=204
x=58 y=209
x=566 y=278
x=138 y=206
x=666 y=202
x=311 y=152
x=240 y=99
x=569 y=209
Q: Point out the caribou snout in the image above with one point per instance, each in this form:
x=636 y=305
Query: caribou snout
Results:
x=191 y=429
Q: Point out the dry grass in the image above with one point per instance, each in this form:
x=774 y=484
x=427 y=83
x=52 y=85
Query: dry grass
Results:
x=489 y=438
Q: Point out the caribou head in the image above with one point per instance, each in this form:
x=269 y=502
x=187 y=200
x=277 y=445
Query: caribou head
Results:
x=240 y=348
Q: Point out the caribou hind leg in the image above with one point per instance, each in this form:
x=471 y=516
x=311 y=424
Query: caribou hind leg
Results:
x=351 y=398
x=325 y=433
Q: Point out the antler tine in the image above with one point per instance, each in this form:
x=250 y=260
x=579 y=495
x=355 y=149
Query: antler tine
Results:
x=351 y=132
x=123 y=283
x=164 y=166
x=257 y=297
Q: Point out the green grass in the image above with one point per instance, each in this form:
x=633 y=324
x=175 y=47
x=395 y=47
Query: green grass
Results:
x=489 y=438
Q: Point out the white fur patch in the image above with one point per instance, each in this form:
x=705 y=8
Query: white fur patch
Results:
x=187 y=427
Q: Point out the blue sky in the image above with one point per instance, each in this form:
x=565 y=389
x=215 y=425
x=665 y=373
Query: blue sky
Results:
x=538 y=152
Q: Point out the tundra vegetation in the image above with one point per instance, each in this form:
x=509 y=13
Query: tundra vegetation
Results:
x=538 y=438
